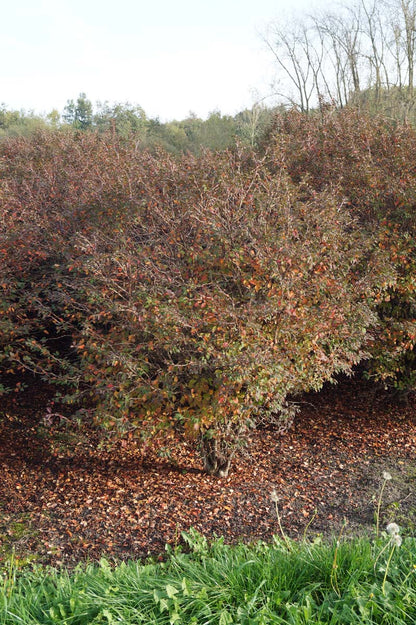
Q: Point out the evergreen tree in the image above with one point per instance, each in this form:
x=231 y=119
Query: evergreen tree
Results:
x=79 y=113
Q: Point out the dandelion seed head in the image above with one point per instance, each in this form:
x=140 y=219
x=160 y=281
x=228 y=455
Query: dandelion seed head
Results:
x=387 y=476
x=393 y=529
x=273 y=496
x=396 y=540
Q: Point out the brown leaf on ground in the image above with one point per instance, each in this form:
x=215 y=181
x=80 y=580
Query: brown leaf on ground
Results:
x=63 y=498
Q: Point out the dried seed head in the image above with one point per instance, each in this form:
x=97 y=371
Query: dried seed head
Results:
x=393 y=529
x=396 y=540
x=273 y=496
x=387 y=476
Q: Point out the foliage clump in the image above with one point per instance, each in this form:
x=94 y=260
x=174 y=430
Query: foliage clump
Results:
x=368 y=163
x=206 y=292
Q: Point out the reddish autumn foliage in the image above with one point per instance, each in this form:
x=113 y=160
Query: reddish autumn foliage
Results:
x=368 y=161
x=220 y=301
x=370 y=166
x=55 y=186
x=200 y=293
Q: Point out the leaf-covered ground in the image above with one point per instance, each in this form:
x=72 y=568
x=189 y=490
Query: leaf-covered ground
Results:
x=64 y=498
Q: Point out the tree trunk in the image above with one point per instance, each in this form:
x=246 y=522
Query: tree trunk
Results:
x=216 y=456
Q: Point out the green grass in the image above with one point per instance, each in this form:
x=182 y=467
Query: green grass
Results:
x=293 y=583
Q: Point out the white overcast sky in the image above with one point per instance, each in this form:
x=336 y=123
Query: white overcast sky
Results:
x=170 y=57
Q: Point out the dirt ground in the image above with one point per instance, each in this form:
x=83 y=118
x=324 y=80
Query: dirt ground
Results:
x=64 y=499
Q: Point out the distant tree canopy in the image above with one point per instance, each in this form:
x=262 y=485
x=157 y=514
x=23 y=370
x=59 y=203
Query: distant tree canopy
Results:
x=126 y=121
x=19 y=123
x=79 y=113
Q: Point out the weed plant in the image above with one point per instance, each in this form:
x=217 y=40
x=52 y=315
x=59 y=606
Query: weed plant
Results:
x=338 y=581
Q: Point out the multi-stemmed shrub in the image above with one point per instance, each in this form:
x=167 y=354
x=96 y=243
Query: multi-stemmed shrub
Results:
x=200 y=293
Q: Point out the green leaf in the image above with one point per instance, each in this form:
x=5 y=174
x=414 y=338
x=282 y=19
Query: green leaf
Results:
x=225 y=618
x=171 y=591
x=186 y=591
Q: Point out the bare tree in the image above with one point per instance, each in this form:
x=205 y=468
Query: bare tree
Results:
x=318 y=57
x=298 y=61
x=400 y=41
x=363 y=52
x=337 y=61
x=374 y=30
x=409 y=37
x=343 y=31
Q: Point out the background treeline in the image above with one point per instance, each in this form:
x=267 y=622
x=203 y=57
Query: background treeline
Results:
x=203 y=293
x=217 y=132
